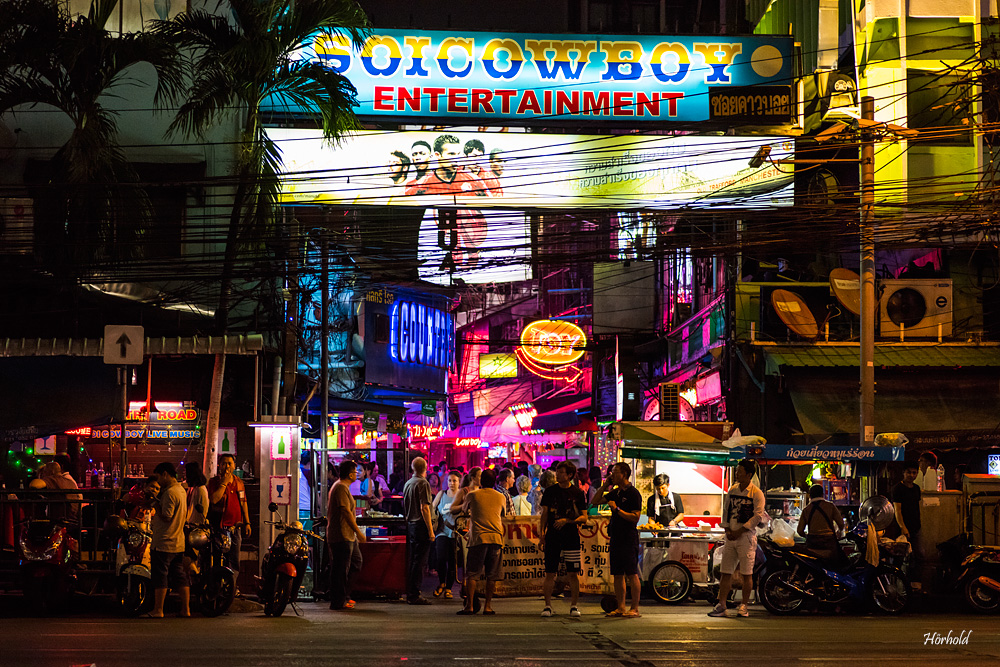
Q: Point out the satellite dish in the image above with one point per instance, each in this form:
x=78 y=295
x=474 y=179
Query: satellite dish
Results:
x=846 y=286
x=906 y=307
x=794 y=312
x=878 y=510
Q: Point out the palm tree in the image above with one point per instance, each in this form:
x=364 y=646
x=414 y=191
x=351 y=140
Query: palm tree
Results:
x=240 y=60
x=72 y=63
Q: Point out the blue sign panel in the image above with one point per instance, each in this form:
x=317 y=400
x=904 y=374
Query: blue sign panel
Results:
x=830 y=453
x=519 y=77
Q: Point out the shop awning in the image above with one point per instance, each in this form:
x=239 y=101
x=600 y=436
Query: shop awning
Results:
x=672 y=441
x=944 y=408
x=503 y=428
x=902 y=355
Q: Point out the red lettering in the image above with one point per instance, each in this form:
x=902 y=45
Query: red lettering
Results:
x=671 y=99
x=432 y=94
x=548 y=102
x=505 y=96
x=646 y=105
x=457 y=96
x=383 y=98
x=596 y=105
x=623 y=101
x=481 y=98
x=528 y=101
x=567 y=103
x=411 y=99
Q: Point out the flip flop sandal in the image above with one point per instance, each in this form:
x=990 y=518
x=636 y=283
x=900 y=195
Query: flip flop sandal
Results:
x=631 y=614
x=448 y=594
x=614 y=614
x=465 y=612
x=489 y=612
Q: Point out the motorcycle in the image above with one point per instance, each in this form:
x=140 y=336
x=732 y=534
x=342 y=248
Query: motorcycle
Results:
x=284 y=564
x=974 y=571
x=47 y=556
x=213 y=582
x=133 y=581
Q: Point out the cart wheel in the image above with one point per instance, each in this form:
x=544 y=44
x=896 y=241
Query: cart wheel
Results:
x=670 y=582
x=609 y=603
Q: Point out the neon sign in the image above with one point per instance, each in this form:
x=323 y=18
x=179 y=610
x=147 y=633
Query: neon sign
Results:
x=420 y=431
x=524 y=414
x=467 y=442
x=419 y=334
x=549 y=348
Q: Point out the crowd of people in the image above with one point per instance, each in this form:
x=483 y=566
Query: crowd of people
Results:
x=470 y=506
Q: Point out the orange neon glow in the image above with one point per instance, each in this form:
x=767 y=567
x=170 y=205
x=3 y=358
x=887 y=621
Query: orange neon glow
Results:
x=552 y=342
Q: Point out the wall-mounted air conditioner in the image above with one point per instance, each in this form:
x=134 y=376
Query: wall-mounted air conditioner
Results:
x=919 y=307
x=17 y=226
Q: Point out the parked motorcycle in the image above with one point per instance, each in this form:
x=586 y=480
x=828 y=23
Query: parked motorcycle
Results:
x=972 y=570
x=213 y=582
x=797 y=579
x=284 y=564
x=47 y=557
x=133 y=581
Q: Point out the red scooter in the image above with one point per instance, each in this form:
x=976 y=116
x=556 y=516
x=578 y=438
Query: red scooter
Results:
x=48 y=556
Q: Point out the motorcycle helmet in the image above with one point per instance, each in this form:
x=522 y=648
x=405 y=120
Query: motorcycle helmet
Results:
x=197 y=538
x=114 y=526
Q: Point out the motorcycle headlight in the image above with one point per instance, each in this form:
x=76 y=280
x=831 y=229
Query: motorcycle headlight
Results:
x=295 y=543
x=135 y=539
x=43 y=551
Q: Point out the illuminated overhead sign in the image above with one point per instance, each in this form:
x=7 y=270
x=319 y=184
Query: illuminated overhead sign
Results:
x=419 y=334
x=524 y=414
x=465 y=172
x=420 y=431
x=527 y=77
x=549 y=348
x=500 y=365
x=467 y=442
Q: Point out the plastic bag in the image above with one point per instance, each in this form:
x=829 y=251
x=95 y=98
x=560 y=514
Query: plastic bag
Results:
x=782 y=533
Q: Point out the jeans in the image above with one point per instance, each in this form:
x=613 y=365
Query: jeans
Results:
x=345 y=563
x=445 y=548
x=233 y=557
x=419 y=543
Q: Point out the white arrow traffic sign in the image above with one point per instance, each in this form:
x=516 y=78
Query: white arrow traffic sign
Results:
x=124 y=344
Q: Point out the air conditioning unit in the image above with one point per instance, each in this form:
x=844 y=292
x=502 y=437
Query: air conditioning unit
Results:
x=17 y=226
x=918 y=307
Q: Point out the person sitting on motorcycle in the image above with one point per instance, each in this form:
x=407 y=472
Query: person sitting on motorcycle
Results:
x=140 y=498
x=824 y=524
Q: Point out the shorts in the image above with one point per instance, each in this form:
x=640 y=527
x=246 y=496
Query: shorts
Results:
x=484 y=559
x=562 y=550
x=740 y=551
x=624 y=558
x=168 y=568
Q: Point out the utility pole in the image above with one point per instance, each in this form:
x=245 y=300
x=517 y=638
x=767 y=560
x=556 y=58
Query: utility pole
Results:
x=325 y=349
x=867 y=234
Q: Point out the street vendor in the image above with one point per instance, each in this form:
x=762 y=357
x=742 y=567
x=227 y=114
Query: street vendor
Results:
x=664 y=506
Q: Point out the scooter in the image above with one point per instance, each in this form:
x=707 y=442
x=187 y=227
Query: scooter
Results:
x=284 y=564
x=133 y=581
x=213 y=582
x=797 y=579
x=974 y=571
x=47 y=557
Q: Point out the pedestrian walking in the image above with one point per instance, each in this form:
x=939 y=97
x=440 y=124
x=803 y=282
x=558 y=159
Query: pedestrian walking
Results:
x=343 y=538
x=417 y=499
x=167 y=559
x=485 y=508
x=564 y=508
x=505 y=480
x=522 y=504
x=742 y=512
x=445 y=546
x=623 y=548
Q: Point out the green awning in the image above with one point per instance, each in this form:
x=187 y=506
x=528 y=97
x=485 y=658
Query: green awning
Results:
x=680 y=453
x=890 y=355
x=671 y=441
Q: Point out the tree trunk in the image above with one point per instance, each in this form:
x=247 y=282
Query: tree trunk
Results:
x=231 y=253
x=211 y=459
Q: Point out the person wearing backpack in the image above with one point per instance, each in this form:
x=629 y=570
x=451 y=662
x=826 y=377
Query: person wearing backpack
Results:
x=823 y=521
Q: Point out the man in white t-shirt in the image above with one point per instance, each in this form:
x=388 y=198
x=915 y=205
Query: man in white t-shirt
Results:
x=742 y=512
x=927 y=475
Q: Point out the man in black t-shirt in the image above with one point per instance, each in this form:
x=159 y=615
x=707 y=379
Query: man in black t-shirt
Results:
x=626 y=507
x=906 y=502
x=564 y=508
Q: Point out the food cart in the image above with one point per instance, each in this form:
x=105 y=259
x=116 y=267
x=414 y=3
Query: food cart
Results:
x=677 y=560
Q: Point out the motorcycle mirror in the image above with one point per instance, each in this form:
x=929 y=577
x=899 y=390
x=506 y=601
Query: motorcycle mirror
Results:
x=273 y=507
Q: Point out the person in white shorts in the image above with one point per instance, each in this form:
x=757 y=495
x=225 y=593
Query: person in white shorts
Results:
x=743 y=510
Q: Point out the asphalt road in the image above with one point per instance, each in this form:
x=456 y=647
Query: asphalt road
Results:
x=383 y=633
